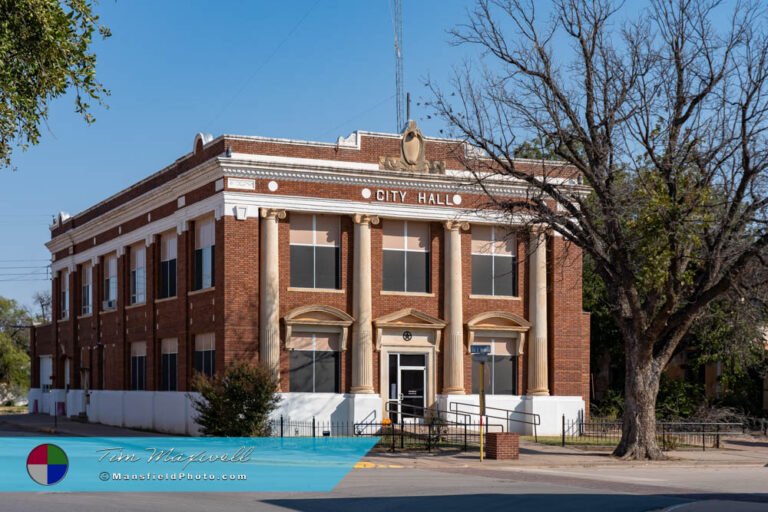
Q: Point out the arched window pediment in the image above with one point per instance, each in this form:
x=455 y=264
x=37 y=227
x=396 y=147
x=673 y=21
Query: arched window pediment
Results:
x=323 y=318
x=498 y=323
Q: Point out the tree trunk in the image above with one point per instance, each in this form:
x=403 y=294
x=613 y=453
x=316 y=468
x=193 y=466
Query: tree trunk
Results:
x=638 y=436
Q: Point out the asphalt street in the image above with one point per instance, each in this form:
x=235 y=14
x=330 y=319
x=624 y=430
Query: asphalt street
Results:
x=545 y=478
x=382 y=488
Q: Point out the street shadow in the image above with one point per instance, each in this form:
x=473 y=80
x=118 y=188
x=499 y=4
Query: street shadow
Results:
x=750 y=444
x=488 y=502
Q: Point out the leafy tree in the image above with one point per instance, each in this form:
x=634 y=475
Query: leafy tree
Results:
x=237 y=403
x=14 y=348
x=45 y=51
x=663 y=117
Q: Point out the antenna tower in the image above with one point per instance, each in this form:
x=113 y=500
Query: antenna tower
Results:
x=397 y=21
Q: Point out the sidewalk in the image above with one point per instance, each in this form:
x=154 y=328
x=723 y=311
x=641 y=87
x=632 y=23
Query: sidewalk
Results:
x=745 y=452
x=42 y=425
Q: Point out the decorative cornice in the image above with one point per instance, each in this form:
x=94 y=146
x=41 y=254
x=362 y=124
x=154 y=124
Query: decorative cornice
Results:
x=169 y=192
x=379 y=179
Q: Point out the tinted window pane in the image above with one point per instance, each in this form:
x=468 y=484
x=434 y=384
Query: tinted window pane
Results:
x=168 y=372
x=212 y=266
x=482 y=283
x=418 y=272
x=198 y=285
x=137 y=373
x=209 y=362
x=504 y=277
x=208 y=267
x=504 y=372
x=300 y=371
x=326 y=372
x=172 y=278
x=412 y=359
x=168 y=279
x=327 y=267
x=301 y=266
x=394 y=271
x=163 y=280
x=476 y=378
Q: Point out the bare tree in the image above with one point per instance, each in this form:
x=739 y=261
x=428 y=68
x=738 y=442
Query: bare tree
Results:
x=43 y=299
x=663 y=117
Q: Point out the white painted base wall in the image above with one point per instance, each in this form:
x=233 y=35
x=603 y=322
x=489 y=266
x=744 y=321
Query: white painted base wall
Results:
x=549 y=408
x=162 y=411
x=172 y=412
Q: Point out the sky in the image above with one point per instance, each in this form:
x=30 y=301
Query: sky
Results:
x=301 y=69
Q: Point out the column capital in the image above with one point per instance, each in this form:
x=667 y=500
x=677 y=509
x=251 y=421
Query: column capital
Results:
x=269 y=213
x=455 y=225
x=538 y=229
x=364 y=218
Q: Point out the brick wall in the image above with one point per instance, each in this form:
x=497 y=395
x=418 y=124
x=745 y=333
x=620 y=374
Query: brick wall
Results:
x=503 y=446
x=231 y=309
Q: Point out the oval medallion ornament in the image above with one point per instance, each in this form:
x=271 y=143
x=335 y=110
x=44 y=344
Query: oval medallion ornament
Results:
x=413 y=145
x=407 y=335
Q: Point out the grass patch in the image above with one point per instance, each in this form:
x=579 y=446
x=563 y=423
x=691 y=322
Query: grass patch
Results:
x=13 y=409
x=574 y=441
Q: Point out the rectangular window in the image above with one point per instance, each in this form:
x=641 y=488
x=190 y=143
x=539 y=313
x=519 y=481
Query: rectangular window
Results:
x=500 y=370
x=138 y=274
x=205 y=354
x=110 y=282
x=204 y=254
x=86 y=280
x=315 y=364
x=406 y=256
x=167 y=277
x=168 y=360
x=64 y=295
x=494 y=261
x=315 y=251
x=138 y=366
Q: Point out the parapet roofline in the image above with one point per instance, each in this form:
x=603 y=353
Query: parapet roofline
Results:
x=351 y=142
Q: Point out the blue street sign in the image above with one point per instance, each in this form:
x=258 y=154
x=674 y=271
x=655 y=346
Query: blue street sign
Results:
x=480 y=349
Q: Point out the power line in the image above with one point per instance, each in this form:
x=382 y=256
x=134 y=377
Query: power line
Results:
x=16 y=280
x=263 y=63
x=24 y=260
x=332 y=131
x=22 y=268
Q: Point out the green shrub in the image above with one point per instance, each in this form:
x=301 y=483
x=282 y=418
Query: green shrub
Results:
x=238 y=402
x=611 y=406
x=678 y=399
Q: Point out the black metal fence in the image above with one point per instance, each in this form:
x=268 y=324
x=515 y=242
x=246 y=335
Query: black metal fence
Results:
x=671 y=435
x=428 y=435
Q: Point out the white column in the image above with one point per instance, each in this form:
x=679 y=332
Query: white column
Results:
x=269 y=296
x=453 y=349
x=362 y=329
x=538 y=376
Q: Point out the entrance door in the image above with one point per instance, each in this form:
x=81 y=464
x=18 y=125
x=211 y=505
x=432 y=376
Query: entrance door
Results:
x=407 y=385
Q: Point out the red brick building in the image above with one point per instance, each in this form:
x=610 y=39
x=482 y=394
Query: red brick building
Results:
x=362 y=271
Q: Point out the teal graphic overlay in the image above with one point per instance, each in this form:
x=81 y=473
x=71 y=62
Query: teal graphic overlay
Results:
x=180 y=464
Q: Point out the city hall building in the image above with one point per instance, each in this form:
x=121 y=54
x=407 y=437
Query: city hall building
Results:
x=362 y=271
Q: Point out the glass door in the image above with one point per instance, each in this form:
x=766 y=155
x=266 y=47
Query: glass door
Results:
x=408 y=386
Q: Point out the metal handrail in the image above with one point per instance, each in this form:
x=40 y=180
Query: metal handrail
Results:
x=535 y=421
x=362 y=425
x=423 y=409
